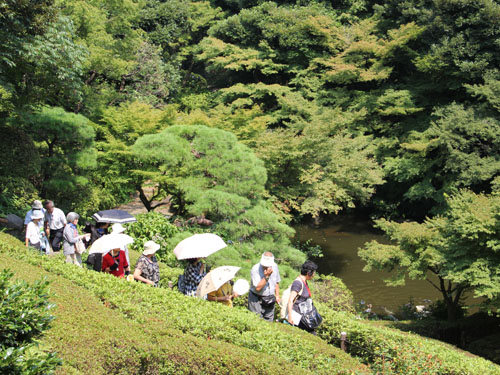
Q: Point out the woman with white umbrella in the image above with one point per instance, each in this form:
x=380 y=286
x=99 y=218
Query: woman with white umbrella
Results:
x=193 y=274
x=193 y=249
x=115 y=261
x=226 y=292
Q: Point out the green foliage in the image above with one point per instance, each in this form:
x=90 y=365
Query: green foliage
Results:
x=327 y=169
x=66 y=146
x=19 y=154
x=205 y=322
x=460 y=247
x=16 y=195
x=332 y=293
x=206 y=173
x=457 y=151
x=396 y=352
x=154 y=226
x=43 y=68
x=24 y=315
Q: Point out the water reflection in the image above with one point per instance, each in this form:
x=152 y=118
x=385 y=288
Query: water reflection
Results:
x=340 y=243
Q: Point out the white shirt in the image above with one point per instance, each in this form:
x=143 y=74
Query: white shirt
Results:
x=257 y=274
x=33 y=232
x=27 y=218
x=56 y=220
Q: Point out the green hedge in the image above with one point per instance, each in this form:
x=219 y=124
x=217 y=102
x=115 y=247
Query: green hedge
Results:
x=168 y=309
x=25 y=312
x=410 y=353
x=95 y=339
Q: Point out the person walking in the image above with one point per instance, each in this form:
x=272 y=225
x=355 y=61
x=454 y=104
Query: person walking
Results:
x=264 y=289
x=35 y=206
x=300 y=302
x=55 y=221
x=33 y=229
x=70 y=238
x=117 y=228
x=193 y=274
x=147 y=269
x=115 y=263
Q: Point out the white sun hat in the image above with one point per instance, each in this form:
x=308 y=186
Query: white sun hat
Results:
x=150 y=248
x=117 y=228
x=37 y=214
x=267 y=261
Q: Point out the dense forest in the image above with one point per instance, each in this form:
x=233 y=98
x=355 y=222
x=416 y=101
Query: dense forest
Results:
x=252 y=114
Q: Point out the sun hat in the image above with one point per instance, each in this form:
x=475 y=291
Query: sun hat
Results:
x=150 y=248
x=72 y=216
x=267 y=261
x=117 y=228
x=37 y=205
x=37 y=214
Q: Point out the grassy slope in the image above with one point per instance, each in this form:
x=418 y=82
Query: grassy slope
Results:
x=91 y=345
x=95 y=339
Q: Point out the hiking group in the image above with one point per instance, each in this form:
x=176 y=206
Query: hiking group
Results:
x=48 y=229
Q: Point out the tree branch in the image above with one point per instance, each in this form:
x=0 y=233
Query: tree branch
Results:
x=434 y=285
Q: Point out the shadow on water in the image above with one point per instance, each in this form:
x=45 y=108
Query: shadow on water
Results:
x=340 y=242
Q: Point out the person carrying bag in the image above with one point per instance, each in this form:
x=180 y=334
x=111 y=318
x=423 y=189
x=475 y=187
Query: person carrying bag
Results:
x=301 y=310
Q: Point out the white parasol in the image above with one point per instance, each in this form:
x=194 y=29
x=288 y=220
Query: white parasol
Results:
x=199 y=246
x=215 y=279
x=241 y=286
x=110 y=241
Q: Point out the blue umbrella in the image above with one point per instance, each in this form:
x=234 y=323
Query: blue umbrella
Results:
x=113 y=216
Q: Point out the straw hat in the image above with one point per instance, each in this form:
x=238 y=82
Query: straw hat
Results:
x=37 y=205
x=150 y=248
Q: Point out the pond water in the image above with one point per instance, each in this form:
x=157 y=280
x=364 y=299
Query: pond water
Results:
x=340 y=244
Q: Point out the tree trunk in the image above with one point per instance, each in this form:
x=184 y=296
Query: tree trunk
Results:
x=452 y=302
x=144 y=199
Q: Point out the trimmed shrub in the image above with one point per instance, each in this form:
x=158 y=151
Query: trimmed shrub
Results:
x=399 y=352
x=24 y=315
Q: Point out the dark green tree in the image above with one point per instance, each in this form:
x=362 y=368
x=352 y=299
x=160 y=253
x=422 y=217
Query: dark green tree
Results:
x=456 y=251
x=66 y=147
x=207 y=173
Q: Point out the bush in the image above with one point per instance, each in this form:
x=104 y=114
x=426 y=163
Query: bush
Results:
x=16 y=196
x=24 y=315
x=332 y=293
x=154 y=226
x=203 y=319
x=402 y=352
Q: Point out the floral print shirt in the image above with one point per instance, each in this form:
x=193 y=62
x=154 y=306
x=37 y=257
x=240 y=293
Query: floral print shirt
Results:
x=149 y=269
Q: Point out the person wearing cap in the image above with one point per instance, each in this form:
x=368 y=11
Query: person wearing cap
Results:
x=55 y=221
x=36 y=206
x=147 y=270
x=115 y=263
x=117 y=228
x=70 y=238
x=33 y=229
x=264 y=289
